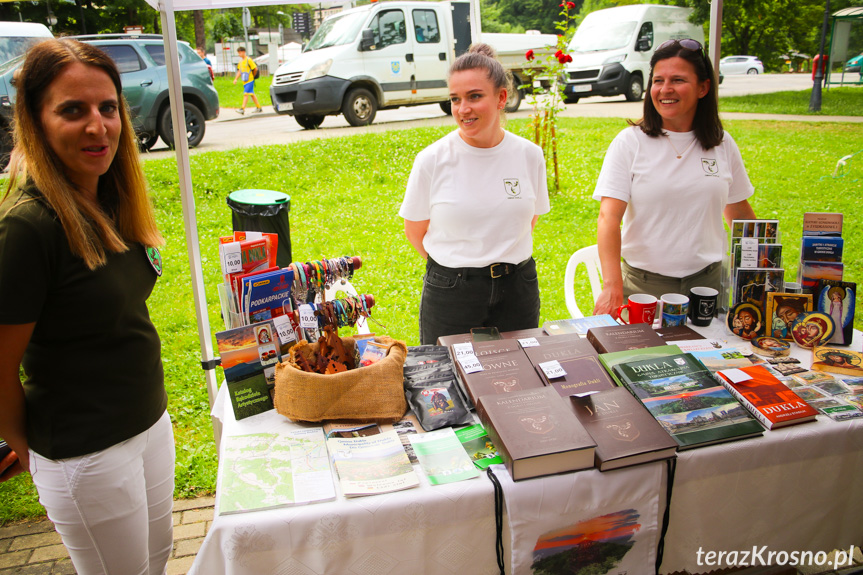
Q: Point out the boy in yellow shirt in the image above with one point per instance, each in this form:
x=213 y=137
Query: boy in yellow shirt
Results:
x=246 y=69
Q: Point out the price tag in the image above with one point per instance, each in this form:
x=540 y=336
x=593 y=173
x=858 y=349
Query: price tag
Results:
x=749 y=252
x=285 y=329
x=529 y=342
x=552 y=369
x=307 y=317
x=735 y=375
x=231 y=260
x=470 y=364
x=462 y=349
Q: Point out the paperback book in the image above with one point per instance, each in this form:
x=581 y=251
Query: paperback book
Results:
x=822 y=224
x=371 y=465
x=535 y=433
x=623 y=337
x=609 y=360
x=248 y=356
x=767 y=398
x=267 y=470
x=577 y=325
x=624 y=432
x=821 y=249
x=685 y=398
x=478 y=446
x=442 y=457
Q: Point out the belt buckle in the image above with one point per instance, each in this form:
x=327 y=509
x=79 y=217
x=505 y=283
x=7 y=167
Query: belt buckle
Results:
x=491 y=269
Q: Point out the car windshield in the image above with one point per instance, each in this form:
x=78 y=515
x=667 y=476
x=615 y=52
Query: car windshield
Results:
x=11 y=64
x=13 y=47
x=602 y=33
x=337 y=31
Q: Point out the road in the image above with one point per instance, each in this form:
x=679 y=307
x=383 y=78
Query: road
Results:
x=232 y=130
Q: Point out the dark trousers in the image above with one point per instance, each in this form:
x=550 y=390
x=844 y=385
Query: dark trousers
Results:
x=454 y=300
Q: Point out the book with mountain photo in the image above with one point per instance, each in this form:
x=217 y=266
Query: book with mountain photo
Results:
x=686 y=399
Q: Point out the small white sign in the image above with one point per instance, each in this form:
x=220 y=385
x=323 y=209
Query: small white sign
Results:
x=529 y=342
x=307 y=317
x=735 y=375
x=552 y=369
x=232 y=262
x=285 y=329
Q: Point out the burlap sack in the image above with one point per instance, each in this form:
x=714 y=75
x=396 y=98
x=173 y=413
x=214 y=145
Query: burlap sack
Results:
x=372 y=393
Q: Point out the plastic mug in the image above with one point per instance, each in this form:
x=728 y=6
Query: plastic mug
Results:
x=640 y=308
x=674 y=308
x=702 y=305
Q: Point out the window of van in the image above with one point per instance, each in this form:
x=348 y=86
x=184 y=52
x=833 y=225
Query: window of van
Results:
x=597 y=34
x=426 y=26
x=12 y=47
x=646 y=33
x=389 y=28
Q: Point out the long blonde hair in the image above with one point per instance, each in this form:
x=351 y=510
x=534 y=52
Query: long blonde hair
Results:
x=124 y=213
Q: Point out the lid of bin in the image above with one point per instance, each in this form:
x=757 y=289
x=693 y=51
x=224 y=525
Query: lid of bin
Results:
x=259 y=197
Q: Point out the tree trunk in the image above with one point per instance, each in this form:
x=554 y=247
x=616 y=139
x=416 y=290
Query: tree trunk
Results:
x=200 y=37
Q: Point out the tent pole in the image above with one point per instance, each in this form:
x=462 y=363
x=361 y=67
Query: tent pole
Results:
x=715 y=37
x=181 y=146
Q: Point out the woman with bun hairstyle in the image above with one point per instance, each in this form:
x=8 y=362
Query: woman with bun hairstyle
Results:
x=669 y=179
x=78 y=261
x=472 y=201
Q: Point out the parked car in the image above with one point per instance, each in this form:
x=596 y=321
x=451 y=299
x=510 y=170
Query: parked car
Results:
x=141 y=61
x=853 y=65
x=15 y=39
x=741 y=65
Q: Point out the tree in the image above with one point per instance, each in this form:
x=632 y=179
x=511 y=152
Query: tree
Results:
x=200 y=37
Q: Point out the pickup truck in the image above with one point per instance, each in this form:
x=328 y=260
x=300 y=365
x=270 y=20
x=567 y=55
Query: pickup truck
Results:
x=390 y=54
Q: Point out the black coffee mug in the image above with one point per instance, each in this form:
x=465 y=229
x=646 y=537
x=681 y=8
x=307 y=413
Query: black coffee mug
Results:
x=702 y=305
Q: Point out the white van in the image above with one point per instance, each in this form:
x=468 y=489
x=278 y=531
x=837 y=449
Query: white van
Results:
x=17 y=37
x=611 y=49
x=386 y=55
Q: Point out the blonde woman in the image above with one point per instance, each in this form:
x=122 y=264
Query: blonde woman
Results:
x=77 y=263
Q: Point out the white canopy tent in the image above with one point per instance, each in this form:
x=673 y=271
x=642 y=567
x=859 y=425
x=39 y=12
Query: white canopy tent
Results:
x=166 y=10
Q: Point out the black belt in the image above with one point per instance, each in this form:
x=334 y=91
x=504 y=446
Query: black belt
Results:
x=493 y=271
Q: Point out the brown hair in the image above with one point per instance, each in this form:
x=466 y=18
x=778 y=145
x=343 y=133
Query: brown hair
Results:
x=483 y=57
x=706 y=124
x=124 y=213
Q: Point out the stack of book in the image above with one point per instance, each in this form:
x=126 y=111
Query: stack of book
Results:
x=821 y=250
x=756 y=261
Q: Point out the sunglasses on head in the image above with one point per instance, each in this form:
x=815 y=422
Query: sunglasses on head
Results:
x=687 y=43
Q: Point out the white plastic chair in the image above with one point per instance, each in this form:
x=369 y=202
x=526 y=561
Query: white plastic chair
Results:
x=588 y=256
x=345 y=286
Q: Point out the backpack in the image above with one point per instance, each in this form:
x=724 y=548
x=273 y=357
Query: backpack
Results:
x=256 y=73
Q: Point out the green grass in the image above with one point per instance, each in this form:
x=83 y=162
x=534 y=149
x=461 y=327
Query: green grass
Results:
x=844 y=101
x=345 y=194
x=231 y=95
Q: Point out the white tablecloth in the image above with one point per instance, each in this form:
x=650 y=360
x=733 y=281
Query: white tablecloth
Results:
x=792 y=489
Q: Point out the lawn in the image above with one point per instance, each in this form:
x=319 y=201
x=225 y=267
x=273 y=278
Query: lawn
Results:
x=844 y=101
x=345 y=194
x=231 y=95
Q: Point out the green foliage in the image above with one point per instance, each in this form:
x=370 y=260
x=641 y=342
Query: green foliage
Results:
x=539 y=15
x=834 y=102
x=231 y=95
x=345 y=195
x=227 y=25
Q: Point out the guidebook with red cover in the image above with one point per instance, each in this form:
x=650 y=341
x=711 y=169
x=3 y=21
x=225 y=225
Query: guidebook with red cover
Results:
x=769 y=400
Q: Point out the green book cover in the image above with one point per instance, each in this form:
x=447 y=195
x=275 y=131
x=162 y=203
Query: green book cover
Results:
x=250 y=396
x=478 y=446
x=609 y=360
x=685 y=398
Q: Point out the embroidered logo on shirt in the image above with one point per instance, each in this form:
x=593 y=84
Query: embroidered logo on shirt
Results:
x=513 y=190
x=710 y=167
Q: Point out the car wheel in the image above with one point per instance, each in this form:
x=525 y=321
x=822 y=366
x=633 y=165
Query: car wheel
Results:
x=195 y=125
x=570 y=99
x=513 y=100
x=446 y=107
x=146 y=141
x=635 y=90
x=310 y=121
x=360 y=107
x=752 y=72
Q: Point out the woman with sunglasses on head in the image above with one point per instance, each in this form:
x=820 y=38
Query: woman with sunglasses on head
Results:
x=77 y=264
x=472 y=201
x=669 y=179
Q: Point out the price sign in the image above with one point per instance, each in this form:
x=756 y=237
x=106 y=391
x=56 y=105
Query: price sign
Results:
x=552 y=369
x=285 y=329
x=529 y=342
x=462 y=349
x=232 y=262
x=749 y=252
x=470 y=364
x=307 y=317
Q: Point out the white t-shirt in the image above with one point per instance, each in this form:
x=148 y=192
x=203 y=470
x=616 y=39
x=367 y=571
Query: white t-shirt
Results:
x=673 y=221
x=479 y=201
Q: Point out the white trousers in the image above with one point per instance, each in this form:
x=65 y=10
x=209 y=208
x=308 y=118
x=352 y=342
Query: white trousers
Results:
x=113 y=507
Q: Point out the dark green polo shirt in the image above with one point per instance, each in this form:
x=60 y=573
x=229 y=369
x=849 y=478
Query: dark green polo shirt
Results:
x=93 y=366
